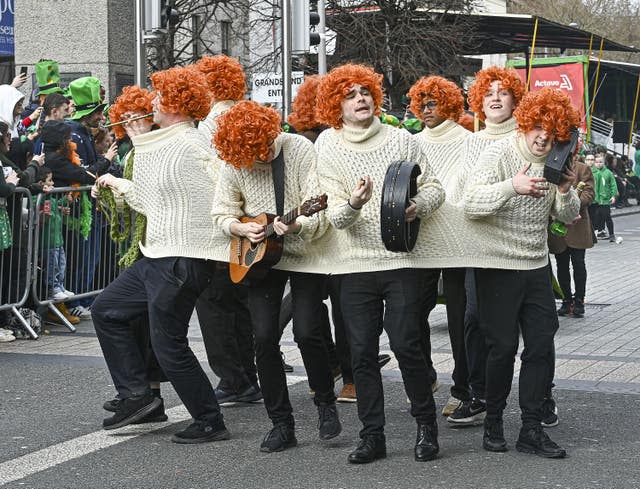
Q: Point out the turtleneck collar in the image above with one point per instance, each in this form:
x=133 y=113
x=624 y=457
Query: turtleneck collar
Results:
x=222 y=106
x=444 y=132
x=357 y=135
x=500 y=130
x=528 y=155
x=164 y=135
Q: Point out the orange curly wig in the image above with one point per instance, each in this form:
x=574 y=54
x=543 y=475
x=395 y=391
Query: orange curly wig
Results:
x=335 y=85
x=466 y=121
x=132 y=99
x=550 y=108
x=445 y=92
x=225 y=77
x=245 y=133
x=183 y=91
x=303 y=115
x=508 y=79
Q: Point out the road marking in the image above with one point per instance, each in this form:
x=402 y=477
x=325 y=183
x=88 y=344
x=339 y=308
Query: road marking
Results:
x=32 y=463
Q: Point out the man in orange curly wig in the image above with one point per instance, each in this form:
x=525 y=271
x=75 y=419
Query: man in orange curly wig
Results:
x=438 y=102
x=303 y=109
x=172 y=186
x=258 y=155
x=353 y=157
x=508 y=203
x=227 y=85
x=493 y=97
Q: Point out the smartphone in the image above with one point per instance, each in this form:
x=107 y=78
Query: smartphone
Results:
x=6 y=170
x=23 y=71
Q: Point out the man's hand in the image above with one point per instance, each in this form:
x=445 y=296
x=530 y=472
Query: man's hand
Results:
x=253 y=231
x=612 y=200
x=141 y=126
x=106 y=180
x=111 y=152
x=281 y=228
x=12 y=178
x=532 y=186
x=95 y=191
x=362 y=193
x=568 y=179
x=35 y=115
x=39 y=159
x=411 y=212
x=19 y=80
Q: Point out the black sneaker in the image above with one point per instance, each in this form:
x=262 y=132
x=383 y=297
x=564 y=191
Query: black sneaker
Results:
x=287 y=368
x=281 y=437
x=549 y=413
x=112 y=405
x=225 y=397
x=328 y=422
x=156 y=416
x=493 y=438
x=612 y=238
x=565 y=308
x=578 y=308
x=469 y=413
x=250 y=394
x=535 y=440
x=383 y=359
x=131 y=410
x=201 y=432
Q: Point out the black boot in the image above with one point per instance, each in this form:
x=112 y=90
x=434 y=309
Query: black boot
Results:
x=535 y=440
x=370 y=448
x=328 y=421
x=426 y=442
x=493 y=438
x=565 y=308
x=280 y=437
x=578 y=308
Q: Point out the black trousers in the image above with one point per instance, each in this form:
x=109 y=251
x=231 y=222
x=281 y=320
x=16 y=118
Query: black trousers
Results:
x=474 y=339
x=394 y=300
x=603 y=216
x=166 y=289
x=507 y=298
x=225 y=322
x=264 y=303
x=456 y=300
x=343 y=352
x=576 y=257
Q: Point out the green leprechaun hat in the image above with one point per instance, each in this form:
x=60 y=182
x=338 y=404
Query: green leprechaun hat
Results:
x=86 y=96
x=48 y=77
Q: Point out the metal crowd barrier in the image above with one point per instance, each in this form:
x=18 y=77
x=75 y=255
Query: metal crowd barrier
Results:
x=15 y=261
x=75 y=261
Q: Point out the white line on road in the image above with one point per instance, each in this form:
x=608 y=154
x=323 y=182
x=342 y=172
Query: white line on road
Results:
x=32 y=463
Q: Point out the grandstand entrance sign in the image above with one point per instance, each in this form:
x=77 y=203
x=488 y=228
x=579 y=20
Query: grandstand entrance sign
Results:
x=266 y=88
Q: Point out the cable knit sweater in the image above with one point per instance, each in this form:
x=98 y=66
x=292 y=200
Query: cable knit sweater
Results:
x=471 y=149
x=507 y=230
x=174 y=177
x=346 y=155
x=250 y=192
x=208 y=126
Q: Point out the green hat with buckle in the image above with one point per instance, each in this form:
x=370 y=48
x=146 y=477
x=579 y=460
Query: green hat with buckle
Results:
x=85 y=92
x=48 y=77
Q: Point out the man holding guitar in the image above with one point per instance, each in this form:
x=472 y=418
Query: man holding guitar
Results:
x=266 y=171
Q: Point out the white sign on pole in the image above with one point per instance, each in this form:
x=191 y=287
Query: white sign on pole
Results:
x=267 y=87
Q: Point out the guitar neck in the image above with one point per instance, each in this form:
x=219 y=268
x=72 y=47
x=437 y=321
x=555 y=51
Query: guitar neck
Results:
x=288 y=218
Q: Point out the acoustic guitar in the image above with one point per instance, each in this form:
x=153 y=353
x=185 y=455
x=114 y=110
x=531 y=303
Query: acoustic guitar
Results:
x=249 y=262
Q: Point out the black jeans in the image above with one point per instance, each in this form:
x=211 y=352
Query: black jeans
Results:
x=507 y=298
x=225 y=322
x=475 y=342
x=264 y=303
x=576 y=257
x=603 y=216
x=456 y=300
x=166 y=289
x=429 y=300
x=343 y=352
x=401 y=294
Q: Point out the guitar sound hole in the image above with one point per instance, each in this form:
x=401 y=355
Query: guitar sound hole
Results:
x=252 y=252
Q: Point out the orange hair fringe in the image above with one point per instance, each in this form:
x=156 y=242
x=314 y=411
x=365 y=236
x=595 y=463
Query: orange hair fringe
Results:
x=550 y=108
x=446 y=93
x=183 y=91
x=509 y=80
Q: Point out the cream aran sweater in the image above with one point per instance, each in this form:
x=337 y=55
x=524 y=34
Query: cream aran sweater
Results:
x=475 y=144
x=344 y=156
x=173 y=182
x=207 y=126
x=250 y=192
x=508 y=230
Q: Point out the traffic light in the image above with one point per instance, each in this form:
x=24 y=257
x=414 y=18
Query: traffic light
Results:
x=159 y=15
x=302 y=19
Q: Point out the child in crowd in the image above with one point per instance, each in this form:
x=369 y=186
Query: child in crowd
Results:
x=51 y=238
x=606 y=192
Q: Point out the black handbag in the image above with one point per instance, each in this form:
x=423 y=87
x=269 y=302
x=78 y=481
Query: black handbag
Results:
x=398 y=188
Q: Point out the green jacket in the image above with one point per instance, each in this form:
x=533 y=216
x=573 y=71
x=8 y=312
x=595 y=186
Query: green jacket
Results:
x=605 y=185
x=51 y=231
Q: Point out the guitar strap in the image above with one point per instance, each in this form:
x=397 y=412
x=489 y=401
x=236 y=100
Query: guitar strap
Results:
x=277 y=171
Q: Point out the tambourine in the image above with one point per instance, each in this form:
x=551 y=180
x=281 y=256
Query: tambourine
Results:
x=398 y=188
